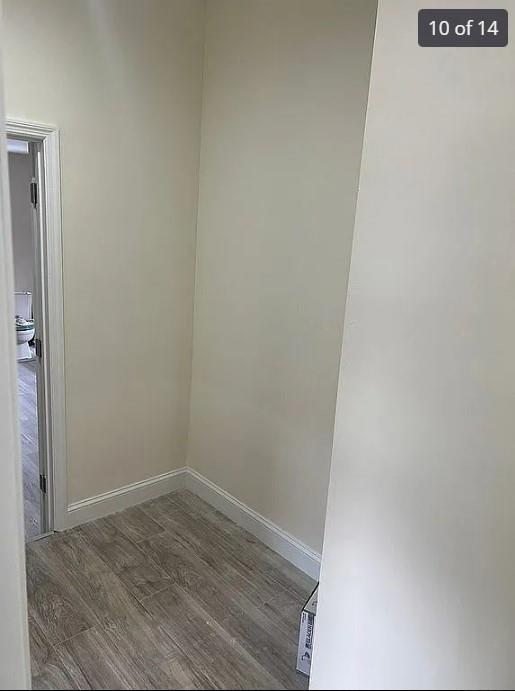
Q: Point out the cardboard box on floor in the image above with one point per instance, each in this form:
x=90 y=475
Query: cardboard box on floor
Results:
x=306 y=633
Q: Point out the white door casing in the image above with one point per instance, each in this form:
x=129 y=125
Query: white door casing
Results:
x=52 y=320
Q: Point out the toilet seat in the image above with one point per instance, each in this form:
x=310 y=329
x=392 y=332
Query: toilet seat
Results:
x=25 y=332
x=29 y=324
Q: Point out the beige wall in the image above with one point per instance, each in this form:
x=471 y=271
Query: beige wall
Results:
x=418 y=573
x=14 y=638
x=122 y=80
x=21 y=214
x=285 y=87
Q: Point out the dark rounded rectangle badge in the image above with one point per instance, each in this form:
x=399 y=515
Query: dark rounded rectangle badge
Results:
x=463 y=28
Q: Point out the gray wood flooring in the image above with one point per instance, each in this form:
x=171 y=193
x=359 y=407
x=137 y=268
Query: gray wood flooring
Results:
x=166 y=595
x=27 y=398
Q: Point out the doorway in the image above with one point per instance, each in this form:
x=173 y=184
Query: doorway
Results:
x=24 y=183
x=33 y=154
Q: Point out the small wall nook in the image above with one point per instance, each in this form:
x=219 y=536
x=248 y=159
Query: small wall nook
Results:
x=249 y=300
x=189 y=209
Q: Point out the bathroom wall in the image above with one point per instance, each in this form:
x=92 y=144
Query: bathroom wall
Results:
x=418 y=574
x=122 y=80
x=284 y=104
x=21 y=214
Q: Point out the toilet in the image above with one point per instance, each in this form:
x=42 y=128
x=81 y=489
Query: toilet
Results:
x=24 y=325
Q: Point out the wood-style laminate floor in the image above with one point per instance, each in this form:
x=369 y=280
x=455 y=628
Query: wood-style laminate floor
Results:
x=166 y=595
x=27 y=399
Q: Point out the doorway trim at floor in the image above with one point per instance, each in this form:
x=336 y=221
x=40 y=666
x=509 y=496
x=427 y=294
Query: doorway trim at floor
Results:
x=53 y=319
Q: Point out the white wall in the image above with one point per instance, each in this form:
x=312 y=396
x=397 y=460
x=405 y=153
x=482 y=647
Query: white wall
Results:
x=418 y=572
x=285 y=87
x=21 y=214
x=14 y=644
x=122 y=80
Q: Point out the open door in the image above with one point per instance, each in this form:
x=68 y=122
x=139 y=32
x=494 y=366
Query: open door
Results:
x=40 y=339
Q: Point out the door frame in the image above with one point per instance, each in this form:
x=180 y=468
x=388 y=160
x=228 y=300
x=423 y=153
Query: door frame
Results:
x=52 y=327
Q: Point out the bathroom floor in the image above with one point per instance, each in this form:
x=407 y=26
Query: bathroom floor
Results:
x=169 y=594
x=27 y=395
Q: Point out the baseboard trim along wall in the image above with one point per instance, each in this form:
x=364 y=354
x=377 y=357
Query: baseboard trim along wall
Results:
x=129 y=495
x=279 y=540
x=299 y=554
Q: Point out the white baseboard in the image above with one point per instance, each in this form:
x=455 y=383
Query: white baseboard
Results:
x=118 y=499
x=299 y=554
x=279 y=540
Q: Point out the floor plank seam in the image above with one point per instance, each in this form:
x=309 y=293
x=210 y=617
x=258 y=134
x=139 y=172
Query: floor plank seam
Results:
x=70 y=638
x=146 y=597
